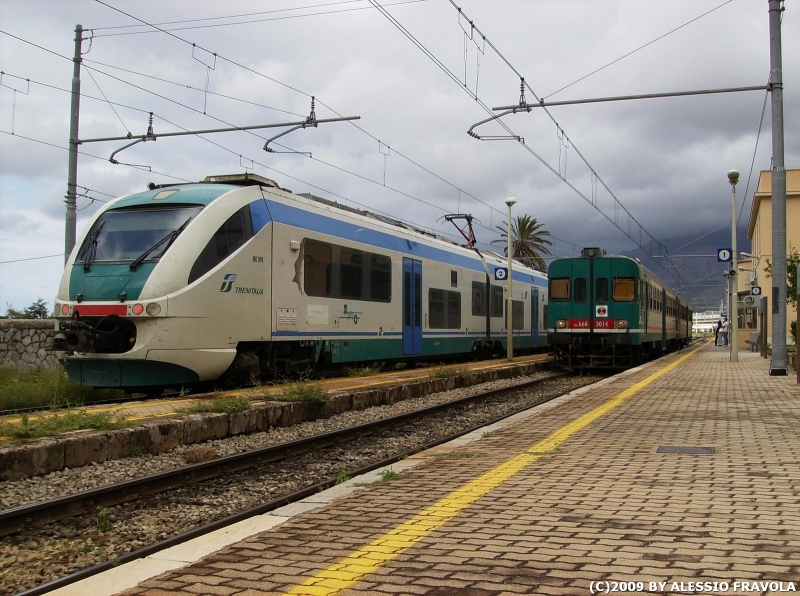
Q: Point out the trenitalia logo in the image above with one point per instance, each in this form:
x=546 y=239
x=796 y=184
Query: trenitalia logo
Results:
x=227 y=282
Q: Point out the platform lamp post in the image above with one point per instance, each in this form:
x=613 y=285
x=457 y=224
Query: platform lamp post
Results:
x=511 y=201
x=733 y=178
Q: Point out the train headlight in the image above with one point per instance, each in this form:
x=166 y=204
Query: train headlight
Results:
x=65 y=309
x=622 y=324
x=137 y=309
x=561 y=324
x=153 y=309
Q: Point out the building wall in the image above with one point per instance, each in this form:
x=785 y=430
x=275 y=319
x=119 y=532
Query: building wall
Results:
x=760 y=234
x=23 y=341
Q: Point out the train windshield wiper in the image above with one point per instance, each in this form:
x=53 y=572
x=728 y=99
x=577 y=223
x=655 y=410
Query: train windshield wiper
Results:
x=91 y=247
x=168 y=239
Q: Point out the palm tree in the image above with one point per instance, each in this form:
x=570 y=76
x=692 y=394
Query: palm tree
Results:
x=528 y=241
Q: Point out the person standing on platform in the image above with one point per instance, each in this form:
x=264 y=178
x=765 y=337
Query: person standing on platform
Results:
x=726 y=326
x=716 y=327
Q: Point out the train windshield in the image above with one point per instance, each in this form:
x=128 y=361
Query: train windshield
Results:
x=135 y=235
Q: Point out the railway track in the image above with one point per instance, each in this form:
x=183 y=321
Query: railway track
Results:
x=217 y=475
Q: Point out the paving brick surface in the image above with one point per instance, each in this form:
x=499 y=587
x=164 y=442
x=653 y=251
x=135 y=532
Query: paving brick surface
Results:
x=603 y=506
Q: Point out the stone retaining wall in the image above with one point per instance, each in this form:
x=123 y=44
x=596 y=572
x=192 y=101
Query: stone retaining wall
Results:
x=23 y=341
x=37 y=457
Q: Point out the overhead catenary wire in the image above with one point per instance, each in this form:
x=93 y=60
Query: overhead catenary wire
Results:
x=277 y=82
x=636 y=50
x=208 y=115
x=222 y=57
x=521 y=142
x=344 y=10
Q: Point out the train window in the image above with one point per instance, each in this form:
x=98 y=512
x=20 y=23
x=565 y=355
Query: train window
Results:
x=624 y=289
x=317 y=267
x=436 y=309
x=417 y=299
x=407 y=299
x=351 y=270
x=380 y=278
x=559 y=290
x=601 y=290
x=497 y=302
x=237 y=230
x=517 y=314
x=580 y=290
x=454 y=310
x=478 y=299
x=444 y=309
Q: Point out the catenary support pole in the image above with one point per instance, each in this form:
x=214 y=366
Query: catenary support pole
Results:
x=510 y=303
x=733 y=313
x=778 y=363
x=72 y=168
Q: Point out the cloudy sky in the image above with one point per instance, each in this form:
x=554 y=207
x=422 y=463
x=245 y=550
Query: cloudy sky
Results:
x=419 y=76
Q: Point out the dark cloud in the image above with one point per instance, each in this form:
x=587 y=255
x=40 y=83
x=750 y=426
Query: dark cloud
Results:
x=664 y=159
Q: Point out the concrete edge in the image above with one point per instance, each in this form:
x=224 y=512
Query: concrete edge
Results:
x=80 y=448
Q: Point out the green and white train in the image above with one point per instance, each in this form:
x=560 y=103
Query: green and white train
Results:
x=236 y=276
x=612 y=312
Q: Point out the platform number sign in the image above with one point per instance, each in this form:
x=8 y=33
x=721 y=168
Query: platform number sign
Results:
x=724 y=255
x=500 y=273
x=755 y=291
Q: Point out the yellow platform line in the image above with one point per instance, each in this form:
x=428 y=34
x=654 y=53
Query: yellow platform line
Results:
x=369 y=559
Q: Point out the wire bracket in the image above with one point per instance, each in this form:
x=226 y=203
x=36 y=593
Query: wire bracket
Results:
x=150 y=136
x=310 y=121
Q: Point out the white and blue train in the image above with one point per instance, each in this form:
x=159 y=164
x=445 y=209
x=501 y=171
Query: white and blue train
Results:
x=234 y=275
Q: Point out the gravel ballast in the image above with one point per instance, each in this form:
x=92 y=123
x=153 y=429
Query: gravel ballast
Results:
x=43 y=554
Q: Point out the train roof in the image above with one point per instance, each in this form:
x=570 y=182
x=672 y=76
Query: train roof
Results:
x=599 y=253
x=212 y=187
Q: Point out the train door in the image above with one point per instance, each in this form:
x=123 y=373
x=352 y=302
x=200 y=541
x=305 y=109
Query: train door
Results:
x=581 y=299
x=534 y=317
x=412 y=307
x=601 y=290
x=663 y=319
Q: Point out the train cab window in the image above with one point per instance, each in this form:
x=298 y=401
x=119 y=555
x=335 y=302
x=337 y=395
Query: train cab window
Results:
x=559 y=290
x=580 y=290
x=478 y=299
x=496 y=307
x=444 y=309
x=237 y=230
x=601 y=290
x=623 y=289
x=317 y=267
x=351 y=269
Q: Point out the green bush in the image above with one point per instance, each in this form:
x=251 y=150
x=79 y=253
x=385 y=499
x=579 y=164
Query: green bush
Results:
x=220 y=406
x=42 y=387
x=59 y=422
x=310 y=392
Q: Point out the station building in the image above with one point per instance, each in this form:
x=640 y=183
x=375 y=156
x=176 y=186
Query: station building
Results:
x=753 y=269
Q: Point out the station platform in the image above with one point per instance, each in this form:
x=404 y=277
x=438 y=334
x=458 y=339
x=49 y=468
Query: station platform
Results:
x=681 y=471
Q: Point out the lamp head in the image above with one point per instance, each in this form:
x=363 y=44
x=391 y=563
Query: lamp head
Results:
x=733 y=177
x=511 y=201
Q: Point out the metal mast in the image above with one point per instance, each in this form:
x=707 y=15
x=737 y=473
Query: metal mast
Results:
x=779 y=289
x=72 y=169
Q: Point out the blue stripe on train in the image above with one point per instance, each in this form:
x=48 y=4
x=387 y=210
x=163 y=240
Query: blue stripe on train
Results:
x=299 y=218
